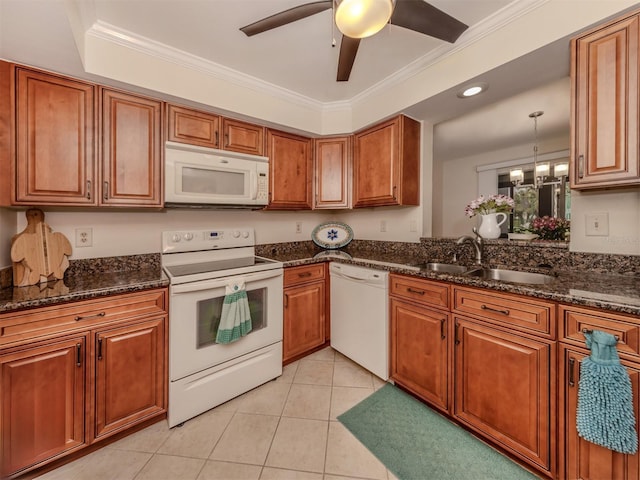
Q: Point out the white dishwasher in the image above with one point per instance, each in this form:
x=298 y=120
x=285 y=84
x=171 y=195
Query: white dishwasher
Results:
x=360 y=316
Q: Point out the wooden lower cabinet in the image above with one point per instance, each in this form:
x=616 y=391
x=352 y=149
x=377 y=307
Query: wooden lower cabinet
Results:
x=42 y=396
x=130 y=375
x=419 y=351
x=73 y=374
x=304 y=310
x=504 y=388
x=580 y=459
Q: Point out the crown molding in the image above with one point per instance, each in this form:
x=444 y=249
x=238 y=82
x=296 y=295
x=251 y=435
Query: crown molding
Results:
x=113 y=34
x=492 y=23
x=110 y=33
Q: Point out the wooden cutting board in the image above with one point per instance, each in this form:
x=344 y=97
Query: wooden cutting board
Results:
x=38 y=254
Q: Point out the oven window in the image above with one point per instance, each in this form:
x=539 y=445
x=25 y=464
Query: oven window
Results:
x=209 y=316
x=217 y=182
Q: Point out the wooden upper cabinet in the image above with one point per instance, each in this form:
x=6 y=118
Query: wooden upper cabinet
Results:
x=131 y=150
x=332 y=169
x=205 y=129
x=242 y=137
x=386 y=164
x=55 y=147
x=290 y=170
x=605 y=84
x=193 y=127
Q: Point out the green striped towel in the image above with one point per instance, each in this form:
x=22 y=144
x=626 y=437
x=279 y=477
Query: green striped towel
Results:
x=235 y=319
x=605 y=413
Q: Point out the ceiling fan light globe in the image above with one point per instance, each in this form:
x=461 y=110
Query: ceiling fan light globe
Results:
x=363 y=18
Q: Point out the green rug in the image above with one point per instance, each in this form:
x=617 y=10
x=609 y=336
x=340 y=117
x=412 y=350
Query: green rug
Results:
x=416 y=443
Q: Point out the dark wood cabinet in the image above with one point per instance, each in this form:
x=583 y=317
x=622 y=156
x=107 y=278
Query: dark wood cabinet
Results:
x=581 y=459
x=503 y=385
x=204 y=129
x=419 y=351
x=605 y=86
x=43 y=400
x=290 y=171
x=304 y=310
x=131 y=150
x=386 y=164
x=55 y=144
x=332 y=172
x=130 y=375
x=73 y=374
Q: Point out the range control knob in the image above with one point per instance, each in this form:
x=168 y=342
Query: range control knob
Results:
x=236 y=234
x=245 y=234
x=175 y=238
x=188 y=236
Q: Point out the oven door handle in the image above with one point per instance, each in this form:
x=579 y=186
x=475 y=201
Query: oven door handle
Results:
x=221 y=282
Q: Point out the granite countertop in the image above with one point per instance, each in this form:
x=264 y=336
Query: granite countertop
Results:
x=81 y=286
x=116 y=275
x=618 y=293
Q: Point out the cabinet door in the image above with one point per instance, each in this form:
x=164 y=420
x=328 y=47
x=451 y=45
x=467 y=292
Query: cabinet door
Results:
x=42 y=390
x=332 y=171
x=503 y=389
x=386 y=164
x=290 y=170
x=419 y=351
x=130 y=375
x=131 y=150
x=582 y=459
x=304 y=319
x=193 y=127
x=242 y=137
x=606 y=84
x=55 y=150
x=376 y=165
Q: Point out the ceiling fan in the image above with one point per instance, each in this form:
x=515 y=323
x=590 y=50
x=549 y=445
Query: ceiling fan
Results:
x=350 y=15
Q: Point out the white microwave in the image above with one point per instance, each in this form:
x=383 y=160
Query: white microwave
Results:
x=199 y=176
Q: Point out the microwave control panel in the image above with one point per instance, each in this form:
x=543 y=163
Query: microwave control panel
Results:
x=263 y=187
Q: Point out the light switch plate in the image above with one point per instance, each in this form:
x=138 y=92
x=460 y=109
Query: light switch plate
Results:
x=597 y=224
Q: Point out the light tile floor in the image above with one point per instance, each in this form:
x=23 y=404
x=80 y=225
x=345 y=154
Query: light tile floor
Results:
x=283 y=430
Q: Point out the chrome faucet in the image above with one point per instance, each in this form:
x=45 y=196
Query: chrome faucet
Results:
x=476 y=242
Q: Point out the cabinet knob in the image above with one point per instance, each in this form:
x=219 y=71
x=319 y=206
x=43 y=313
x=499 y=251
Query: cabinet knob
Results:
x=581 y=166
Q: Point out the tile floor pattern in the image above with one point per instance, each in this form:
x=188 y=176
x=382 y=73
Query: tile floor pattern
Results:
x=283 y=430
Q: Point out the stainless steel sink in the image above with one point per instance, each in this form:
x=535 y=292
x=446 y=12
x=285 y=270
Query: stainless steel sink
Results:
x=512 y=276
x=442 y=267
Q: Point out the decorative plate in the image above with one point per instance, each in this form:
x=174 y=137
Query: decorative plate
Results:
x=332 y=235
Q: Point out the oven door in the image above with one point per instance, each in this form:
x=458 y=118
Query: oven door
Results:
x=194 y=317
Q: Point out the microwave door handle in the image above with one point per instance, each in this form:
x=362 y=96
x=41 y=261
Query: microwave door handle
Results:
x=221 y=282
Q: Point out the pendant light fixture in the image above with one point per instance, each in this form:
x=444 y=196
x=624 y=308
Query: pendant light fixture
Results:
x=362 y=18
x=540 y=170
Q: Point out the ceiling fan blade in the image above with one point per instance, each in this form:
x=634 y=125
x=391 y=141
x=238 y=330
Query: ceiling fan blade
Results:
x=286 y=16
x=422 y=17
x=348 y=51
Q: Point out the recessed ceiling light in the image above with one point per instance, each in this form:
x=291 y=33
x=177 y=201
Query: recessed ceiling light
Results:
x=471 y=90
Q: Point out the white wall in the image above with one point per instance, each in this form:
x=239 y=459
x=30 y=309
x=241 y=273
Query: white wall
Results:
x=7 y=230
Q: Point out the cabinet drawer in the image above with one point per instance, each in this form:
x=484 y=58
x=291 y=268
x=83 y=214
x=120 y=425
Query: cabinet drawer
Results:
x=28 y=325
x=575 y=320
x=517 y=312
x=306 y=273
x=425 y=292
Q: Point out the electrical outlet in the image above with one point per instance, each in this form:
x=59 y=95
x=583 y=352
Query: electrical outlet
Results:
x=413 y=226
x=298 y=227
x=597 y=224
x=383 y=225
x=84 y=237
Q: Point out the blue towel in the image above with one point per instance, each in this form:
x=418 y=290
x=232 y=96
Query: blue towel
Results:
x=605 y=399
x=235 y=319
